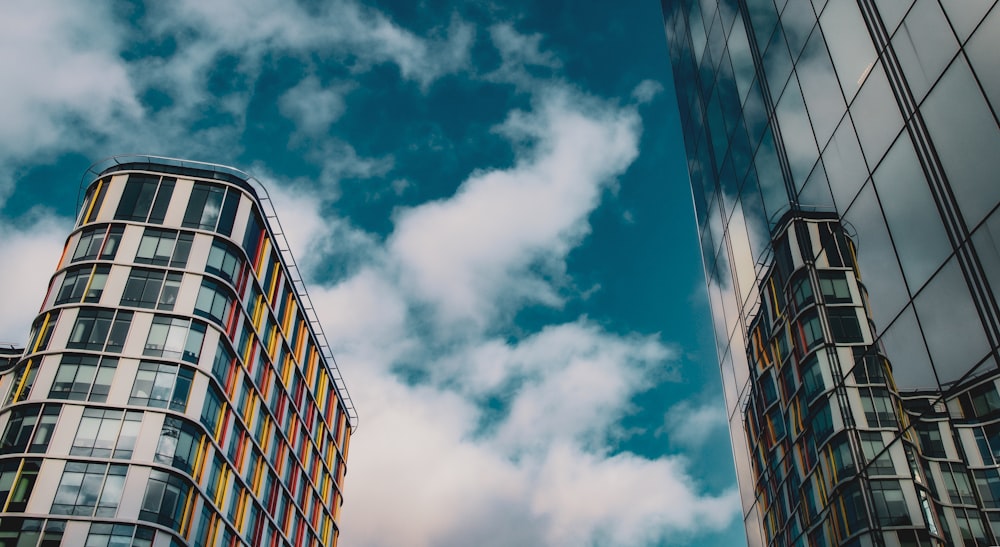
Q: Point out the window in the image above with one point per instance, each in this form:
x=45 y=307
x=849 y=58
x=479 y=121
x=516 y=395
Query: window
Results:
x=822 y=421
x=223 y=362
x=890 y=506
x=223 y=261
x=988 y=484
x=163 y=503
x=839 y=451
x=84 y=283
x=41 y=331
x=104 y=534
x=93 y=201
x=83 y=378
x=175 y=338
x=160 y=385
x=212 y=205
x=212 y=409
x=23 y=380
x=868 y=367
x=145 y=197
x=151 y=289
x=89 y=489
x=812 y=331
x=812 y=378
x=213 y=302
x=802 y=292
x=29 y=431
x=834 y=286
x=22 y=532
x=98 y=330
x=105 y=433
x=878 y=407
x=17 y=480
x=956 y=480
x=98 y=242
x=844 y=325
x=982 y=400
x=164 y=248
x=878 y=459
x=931 y=443
x=178 y=444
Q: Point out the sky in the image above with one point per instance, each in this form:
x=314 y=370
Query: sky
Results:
x=490 y=204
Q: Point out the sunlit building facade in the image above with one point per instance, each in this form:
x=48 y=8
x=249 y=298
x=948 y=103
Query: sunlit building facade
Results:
x=176 y=387
x=844 y=159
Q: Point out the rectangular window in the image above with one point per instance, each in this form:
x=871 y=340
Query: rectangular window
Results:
x=104 y=534
x=41 y=331
x=223 y=261
x=160 y=385
x=23 y=380
x=17 y=480
x=89 y=489
x=145 y=197
x=178 y=446
x=834 y=286
x=84 y=283
x=83 y=378
x=165 y=498
x=28 y=430
x=98 y=242
x=878 y=407
x=212 y=409
x=175 y=338
x=105 y=433
x=100 y=330
x=844 y=325
x=878 y=459
x=164 y=248
x=213 y=302
x=890 y=506
x=93 y=201
x=988 y=484
x=151 y=289
x=868 y=367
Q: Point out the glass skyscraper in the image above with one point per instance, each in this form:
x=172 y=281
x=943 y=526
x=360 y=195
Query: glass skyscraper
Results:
x=176 y=387
x=844 y=160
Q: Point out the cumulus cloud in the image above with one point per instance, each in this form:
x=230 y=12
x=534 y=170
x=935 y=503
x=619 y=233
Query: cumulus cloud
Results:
x=503 y=237
x=61 y=71
x=312 y=106
x=691 y=425
x=473 y=433
x=30 y=246
x=470 y=437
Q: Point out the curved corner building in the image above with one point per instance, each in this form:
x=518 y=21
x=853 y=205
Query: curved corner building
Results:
x=176 y=388
x=844 y=159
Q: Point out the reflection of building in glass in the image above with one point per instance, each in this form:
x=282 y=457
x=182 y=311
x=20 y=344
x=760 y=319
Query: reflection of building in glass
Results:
x=843 y=160
x=176 y=388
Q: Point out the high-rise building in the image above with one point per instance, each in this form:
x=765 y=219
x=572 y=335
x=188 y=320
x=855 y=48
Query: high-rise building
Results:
x=844 y=159
x=176 y=387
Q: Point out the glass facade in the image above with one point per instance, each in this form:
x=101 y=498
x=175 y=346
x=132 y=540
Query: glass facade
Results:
x=843 y=159
x=177 y=388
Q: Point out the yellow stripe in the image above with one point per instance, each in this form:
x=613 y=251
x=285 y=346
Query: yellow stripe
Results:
x=90 y=208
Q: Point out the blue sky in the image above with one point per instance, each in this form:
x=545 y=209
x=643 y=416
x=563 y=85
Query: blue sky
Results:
x=491 y=205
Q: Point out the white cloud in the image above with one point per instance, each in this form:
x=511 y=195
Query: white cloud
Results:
x=61 y=71
x=535 y=466
x=691 y=425
x=312 y=106
x=646 y=91
x=503 y=237
x=521 y=55
x=30 y=247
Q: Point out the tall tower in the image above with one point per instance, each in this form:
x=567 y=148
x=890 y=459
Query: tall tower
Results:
x=843 y=159
x=176 y=388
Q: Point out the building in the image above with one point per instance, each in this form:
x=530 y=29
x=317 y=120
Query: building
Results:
x=843 y=159
x=176 y=387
